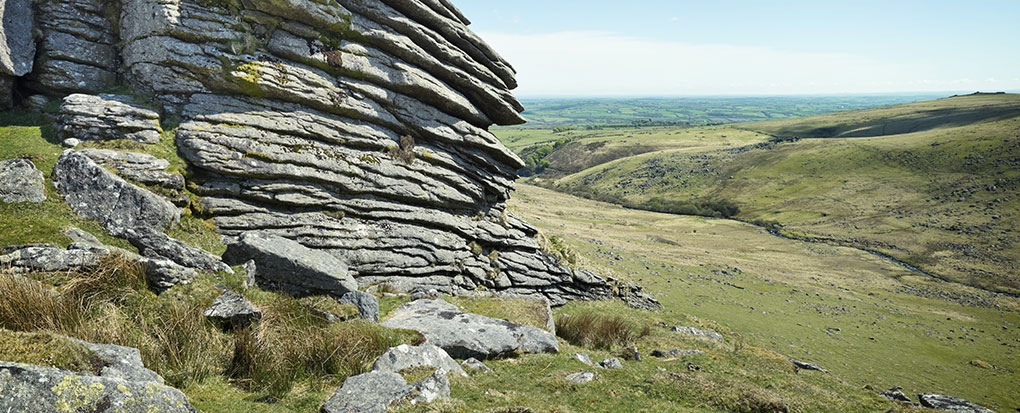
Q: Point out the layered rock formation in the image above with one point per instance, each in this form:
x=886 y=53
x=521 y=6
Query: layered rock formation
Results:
x=354 y=127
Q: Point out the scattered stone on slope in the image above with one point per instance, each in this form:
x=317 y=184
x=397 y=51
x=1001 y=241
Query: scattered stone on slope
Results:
x=21 y=182
x=50 y=258
x=95 y=193
x=367 y=304
x=285 y=265
x=76 y=48
x=950 y=404
x=580 y=377
x=611 y=363
x=895 y=394
x=697 y=332
x=631 y=353
x=404 y=356
x=674 y=353
x=232 y=310
x=800 y=365
x=474 y=364
x=123 y=384
x=156 y=244
x=582 y=357
x=138 y=167
x=465 y=335
x=107 y=117
x=375 y=391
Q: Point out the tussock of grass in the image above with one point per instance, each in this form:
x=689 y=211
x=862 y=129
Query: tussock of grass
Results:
x=292 y=343
x=598 y=331
x=29 y=305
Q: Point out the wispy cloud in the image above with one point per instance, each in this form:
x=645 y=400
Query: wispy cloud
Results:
x=602 y=63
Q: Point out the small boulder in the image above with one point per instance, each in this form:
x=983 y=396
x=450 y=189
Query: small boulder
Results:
x=107 y=117
x=611 y=363
x=675 y=353
x=404 y=357
x=71 y=142
x=800 y=365
x=464 y=335
x=697 y=332
x=233 y=310
x=285 y=265
x=367 y=304
x=950 y=404
x=474 y=364
x=249 y=274
x=582 y=357
x=580 y=377
x=121 y=362
x=21 y=182
x=896 y=395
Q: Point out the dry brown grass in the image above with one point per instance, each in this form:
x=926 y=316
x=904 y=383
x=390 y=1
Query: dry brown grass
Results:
x=597 y=331
x=29 y=305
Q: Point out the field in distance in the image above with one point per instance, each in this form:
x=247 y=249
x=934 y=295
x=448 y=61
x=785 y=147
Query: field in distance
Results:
x=932 y=184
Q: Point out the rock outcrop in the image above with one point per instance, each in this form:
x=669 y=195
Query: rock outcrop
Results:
x=139 y=167
x=426 y=355
x=949 y=403
x=375 y=391
x=355 y=128
x=464 y=335
x=21 y=182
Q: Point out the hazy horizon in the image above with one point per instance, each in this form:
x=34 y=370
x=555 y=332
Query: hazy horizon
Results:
x=743 y=48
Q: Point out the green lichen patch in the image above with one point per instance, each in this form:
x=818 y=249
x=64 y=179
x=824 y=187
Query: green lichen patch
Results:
x=47 y=349
x=416 y=374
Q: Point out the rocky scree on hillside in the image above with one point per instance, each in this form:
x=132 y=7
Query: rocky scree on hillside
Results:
x=354 y=127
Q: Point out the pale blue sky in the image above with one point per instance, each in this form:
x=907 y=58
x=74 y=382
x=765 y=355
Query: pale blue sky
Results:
x=656 y=47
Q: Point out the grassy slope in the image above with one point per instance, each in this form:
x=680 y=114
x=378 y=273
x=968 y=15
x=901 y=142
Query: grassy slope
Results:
x=788 y=294
x=943 y=198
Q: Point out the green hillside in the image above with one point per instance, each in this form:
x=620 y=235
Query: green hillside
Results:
x=934 y=187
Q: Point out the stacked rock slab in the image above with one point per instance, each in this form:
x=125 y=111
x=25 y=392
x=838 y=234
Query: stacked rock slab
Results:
x=354 y=127
x=76 y=46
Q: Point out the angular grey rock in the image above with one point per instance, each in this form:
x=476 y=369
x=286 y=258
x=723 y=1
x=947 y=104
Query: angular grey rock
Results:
x=465 y=335
x=78 y=235
x=895 y=394
x=17 y=47
x=474 y=364
x=374 y=392
x=611 y=363
x=155 y=244
x=50 y=258
x=800 y=365
x=138 y=167
x=582 y=357
x=162 y=274
x=675 y=353
x=122 y=362
x=405 y=356
x=21 y=182
x=287 y=266
x=105 y=117
x=71 y=142
x=697 y=332
x=233 y=310
x=367 y=304
x=580 y=377
x=950 y=404
x=95 y=193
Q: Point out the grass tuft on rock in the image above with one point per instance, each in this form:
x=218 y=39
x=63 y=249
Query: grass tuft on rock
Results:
x=49 y=350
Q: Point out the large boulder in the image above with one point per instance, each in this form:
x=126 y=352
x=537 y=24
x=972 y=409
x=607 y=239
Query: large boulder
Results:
x=17 y=47
x=950 y=403
x=404 y=357
x=464 y=335
x=95 y=193
x=21 y=182
x=105 y=117
x=376 y=391
x=285 y=265
x=122 y=384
